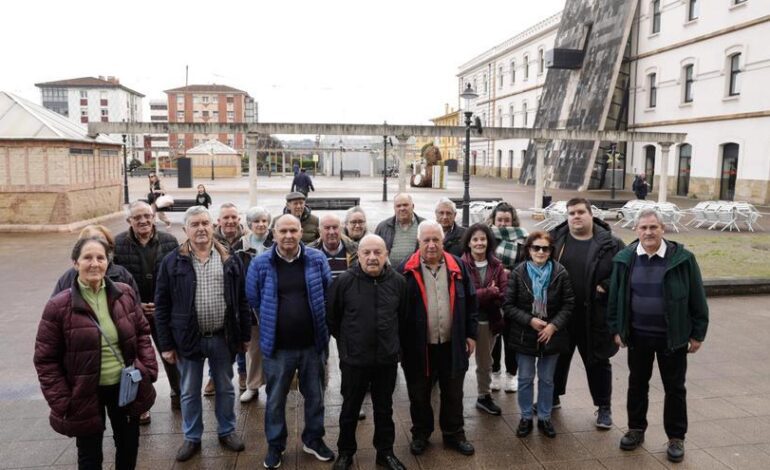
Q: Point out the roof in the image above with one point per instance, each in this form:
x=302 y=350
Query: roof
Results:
x=212 y=147
x=87 y=82
x=213 y=88
x=23 y=120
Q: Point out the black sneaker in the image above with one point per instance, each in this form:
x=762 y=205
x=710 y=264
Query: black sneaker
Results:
x=488 y=405
x=546 y=426
x=319 y=449
x=525 y=428
x=632 y=439
x=604 y=417
x=460 y=445
x=273 y=459
x=232 y=442
x=675 y=450
x=187 y=451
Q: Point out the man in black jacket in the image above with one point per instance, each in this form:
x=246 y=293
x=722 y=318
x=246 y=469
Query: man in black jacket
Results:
x=585 y=246
x=302 y=183
x=140 y=250
x=446 y=213
x=438 y=335
x=366 y=305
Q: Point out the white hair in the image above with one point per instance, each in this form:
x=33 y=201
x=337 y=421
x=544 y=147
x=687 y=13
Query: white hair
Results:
x=647 y=213
x=408 y=196
x=425 y=224
x=196 y=210
x=256 y=213
x=445 y=201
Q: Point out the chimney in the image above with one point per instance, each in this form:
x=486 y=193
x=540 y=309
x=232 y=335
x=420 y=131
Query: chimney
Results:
x=446 y=108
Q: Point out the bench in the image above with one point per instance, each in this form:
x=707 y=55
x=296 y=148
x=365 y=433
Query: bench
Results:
x=356 y=173
x=146 y=171
x=332 y=203
x=180 y=205
x=459 y=201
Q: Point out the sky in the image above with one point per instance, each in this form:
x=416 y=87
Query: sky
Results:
x=304 y=61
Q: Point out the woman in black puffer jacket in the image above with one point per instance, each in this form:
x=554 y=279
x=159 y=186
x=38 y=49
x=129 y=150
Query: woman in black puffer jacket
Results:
x=537 y=306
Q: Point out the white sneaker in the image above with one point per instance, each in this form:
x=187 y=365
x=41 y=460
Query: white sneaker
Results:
x=249 y=395
x=496 y=379
x=511 y=383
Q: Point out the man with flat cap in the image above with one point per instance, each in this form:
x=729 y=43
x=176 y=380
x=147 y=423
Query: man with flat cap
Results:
x=295 y=205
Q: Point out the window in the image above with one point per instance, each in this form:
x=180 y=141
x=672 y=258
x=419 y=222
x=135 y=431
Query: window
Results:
x=735 y=71
x=180 y=101
x=205 y=114
x=500 y=76
x=230 y=100
x=524 y=112
x=683 y=178
x=526 y=67
x=499 y=117
x=180 y=116
x=486 y=85
x=230 y=116
x=541 y=62
x=84 y=94
x=205 y=99
x=653 y=98
x=215 y=114
x=484 y=119
x=688 y=82
x=105 y=112
x=655 y=16
x=510 y=112
x=475 y=88
x=693 y=8
x=80 y=151
x=513 y=72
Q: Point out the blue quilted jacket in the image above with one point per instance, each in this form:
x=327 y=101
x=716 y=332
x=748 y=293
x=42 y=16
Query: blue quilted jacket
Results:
x=262 y=294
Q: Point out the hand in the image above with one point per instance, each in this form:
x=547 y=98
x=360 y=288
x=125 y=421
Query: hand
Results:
x=537 y=324
x=694 y=346
x=244 y=347
x=600 y=289
x=169 y=356
x=546 y=333
x=149 y=309
x=619 y=342
x=493 y=289
x=470 y=346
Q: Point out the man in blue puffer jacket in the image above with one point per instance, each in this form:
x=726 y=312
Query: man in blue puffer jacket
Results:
x=287 y=287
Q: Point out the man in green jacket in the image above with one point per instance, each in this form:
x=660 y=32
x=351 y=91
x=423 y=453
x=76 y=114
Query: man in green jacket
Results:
x=657 y=306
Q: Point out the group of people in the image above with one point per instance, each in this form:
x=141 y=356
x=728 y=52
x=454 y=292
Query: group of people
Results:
x=427 y=294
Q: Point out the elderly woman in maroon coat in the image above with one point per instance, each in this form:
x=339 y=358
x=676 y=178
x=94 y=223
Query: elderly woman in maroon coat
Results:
x=79 y=374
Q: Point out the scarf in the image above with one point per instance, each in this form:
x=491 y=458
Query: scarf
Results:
x=510 y=241
x=541 y=278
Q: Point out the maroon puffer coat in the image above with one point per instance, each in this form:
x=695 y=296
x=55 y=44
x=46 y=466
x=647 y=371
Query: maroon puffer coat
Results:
x=489 y=303
x=68 y=357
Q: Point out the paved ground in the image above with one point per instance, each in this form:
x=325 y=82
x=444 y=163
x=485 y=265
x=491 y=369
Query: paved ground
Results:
x=728 y=381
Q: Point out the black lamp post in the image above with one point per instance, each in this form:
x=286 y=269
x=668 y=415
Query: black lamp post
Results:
x=125 y=171
x=613 y=162
x=341 y=150
x=468 y=94
x=385 y=141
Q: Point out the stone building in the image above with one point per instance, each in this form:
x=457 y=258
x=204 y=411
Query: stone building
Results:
x=226 y=161
x=51 y=172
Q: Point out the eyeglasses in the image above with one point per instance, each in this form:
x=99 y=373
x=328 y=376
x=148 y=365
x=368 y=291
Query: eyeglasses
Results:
x=536 y=248
x=356 y=222
x=141 y=217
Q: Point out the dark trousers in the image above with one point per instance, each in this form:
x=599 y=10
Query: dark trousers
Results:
x=672 y=365
x=356 y=381
x=420 y=385
x=125 y=431
x=598 y=371
x=172 y=373
x=511 y=366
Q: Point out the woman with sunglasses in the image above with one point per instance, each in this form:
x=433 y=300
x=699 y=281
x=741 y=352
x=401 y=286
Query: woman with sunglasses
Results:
x=537 y=306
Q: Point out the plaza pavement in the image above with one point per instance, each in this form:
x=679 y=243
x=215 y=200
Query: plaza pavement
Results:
x=728 y=380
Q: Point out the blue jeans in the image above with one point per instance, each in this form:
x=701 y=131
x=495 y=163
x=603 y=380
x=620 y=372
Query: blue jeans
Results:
x=191 y=372
x=279 y=372
x=546 y=366
x=240 y=358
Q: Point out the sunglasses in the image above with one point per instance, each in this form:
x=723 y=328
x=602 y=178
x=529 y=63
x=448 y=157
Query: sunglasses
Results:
x=544 y=249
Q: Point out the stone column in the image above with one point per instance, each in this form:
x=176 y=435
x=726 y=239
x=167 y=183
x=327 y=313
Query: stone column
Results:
x=283 y=163
x=251 y=150
x=402 y=176
x=663 y=184
x=539 y=172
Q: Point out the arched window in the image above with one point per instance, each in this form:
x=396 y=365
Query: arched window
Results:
x=729 y=171
x=649 y=164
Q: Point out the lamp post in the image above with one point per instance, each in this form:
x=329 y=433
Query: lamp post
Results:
x=613 y=162
x=125 y=171
x=468 y=94
x=385 y=141
x=341 y=150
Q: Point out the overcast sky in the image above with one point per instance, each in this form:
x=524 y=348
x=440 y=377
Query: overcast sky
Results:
x=303 y=61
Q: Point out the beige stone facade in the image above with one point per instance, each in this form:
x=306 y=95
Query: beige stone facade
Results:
x=58 y=182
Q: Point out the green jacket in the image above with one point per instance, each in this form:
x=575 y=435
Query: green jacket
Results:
x=687 y=313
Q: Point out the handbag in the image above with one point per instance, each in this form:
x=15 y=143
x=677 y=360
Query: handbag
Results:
x=164 y=201
x=130 y=376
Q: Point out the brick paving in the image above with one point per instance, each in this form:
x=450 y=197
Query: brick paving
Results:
x=728 y=380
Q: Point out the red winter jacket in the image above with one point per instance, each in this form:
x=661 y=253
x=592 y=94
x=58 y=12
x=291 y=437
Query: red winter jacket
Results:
x=68 y=357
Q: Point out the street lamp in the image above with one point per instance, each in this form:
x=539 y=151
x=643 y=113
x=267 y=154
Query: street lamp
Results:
x=125 y=172
x=342 y=149
x=385 y=141
x=468 y=95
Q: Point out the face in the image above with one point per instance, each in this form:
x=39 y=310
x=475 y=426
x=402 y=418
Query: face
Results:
x=92 y=263
x=431 y=244
x=330 y=232
x=650 y=233
x=478 y=244
x=141 y=220
x=287 y=234
x=259 y=226
x=372 y=256
x=296 y=207
x=445 y=216
x=404 y=209
x=153 y=177
x=503 y=219
x=201 y=189
x=356 y=226
x=229 y=221
x=199 y=229
x=540 y=251
x=579 y=219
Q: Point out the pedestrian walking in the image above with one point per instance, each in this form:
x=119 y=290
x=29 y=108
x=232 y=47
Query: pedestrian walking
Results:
x=302 y=182
x=640 y=186
x=157 y=190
